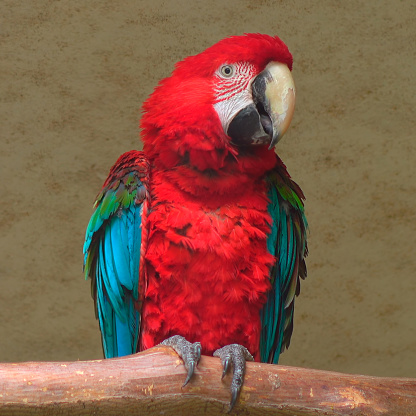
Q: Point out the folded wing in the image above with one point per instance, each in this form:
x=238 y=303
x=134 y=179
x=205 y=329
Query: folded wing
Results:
x=287 y=242
x=112 y=252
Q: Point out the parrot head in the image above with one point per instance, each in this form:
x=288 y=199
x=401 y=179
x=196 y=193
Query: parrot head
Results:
x=237 y=94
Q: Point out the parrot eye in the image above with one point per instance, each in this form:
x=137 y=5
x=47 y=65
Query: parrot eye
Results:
x=227 y=71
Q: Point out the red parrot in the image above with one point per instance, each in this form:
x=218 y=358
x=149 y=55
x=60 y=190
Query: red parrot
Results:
x=199 y=240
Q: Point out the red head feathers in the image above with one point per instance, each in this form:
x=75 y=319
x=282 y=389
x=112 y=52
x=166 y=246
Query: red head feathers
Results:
x=255 y=48
x=180 y=124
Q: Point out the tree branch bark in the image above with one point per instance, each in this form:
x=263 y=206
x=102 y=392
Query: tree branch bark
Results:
x=150 y=383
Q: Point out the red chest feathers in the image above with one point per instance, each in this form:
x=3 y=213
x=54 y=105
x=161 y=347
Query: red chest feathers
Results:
x=207 y=267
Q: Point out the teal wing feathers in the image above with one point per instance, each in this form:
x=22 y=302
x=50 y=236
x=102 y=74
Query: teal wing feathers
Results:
x=112 y=251
x=287 y=242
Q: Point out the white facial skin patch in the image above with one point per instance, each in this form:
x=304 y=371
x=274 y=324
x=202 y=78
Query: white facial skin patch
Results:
x=232 y=92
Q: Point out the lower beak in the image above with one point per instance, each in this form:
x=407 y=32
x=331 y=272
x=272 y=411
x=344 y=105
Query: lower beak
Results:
x=268 y=118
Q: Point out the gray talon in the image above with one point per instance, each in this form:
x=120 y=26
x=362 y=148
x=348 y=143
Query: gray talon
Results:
x=226 y=367
x=236 y=355
x=190 y=353
x=234 y=395
x=198 y=350
x=191 y=368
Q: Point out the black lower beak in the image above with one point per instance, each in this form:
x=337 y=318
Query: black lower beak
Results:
x=251 y=126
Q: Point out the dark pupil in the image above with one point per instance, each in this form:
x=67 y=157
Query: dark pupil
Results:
x=227 y=70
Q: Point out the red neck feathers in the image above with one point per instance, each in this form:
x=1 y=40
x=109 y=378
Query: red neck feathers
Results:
x=183 y=137
x=200 y=162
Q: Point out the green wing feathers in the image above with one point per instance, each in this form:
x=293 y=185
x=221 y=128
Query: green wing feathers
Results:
x=287 y=242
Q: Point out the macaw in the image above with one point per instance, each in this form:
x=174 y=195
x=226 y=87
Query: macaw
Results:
x=199 y=240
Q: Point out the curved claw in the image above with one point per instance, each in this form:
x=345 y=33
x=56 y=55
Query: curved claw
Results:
x=190 y=353
x=236 y=355
x=191 y=369
x=234 y=395
x=226 y=365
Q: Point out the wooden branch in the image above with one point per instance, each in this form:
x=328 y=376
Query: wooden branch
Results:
x=150 y=383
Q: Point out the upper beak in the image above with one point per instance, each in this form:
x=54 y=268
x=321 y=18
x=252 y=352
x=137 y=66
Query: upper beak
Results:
x=274 y=96
x=267 y=119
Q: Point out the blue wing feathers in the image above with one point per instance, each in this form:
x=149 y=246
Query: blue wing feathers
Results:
x=112 y=257
x=119 y=272
x=135 y=242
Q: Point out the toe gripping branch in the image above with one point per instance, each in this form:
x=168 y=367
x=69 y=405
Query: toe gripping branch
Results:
x=235 y=355
x=190 y=353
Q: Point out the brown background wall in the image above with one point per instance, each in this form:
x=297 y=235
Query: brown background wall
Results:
x=73 y=76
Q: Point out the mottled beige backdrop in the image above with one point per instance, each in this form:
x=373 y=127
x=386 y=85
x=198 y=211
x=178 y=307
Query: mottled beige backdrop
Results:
x=73 y=77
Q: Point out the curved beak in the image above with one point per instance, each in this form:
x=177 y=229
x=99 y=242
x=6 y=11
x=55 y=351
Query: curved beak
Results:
x=274 y=90
x=268 y=118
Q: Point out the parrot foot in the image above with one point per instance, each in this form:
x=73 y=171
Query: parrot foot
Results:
x=190 y=353
x=236 y=355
